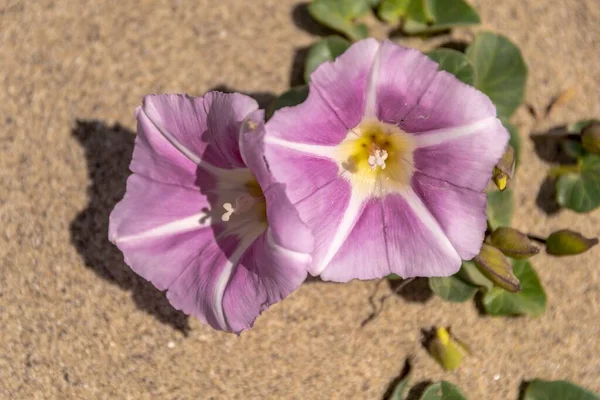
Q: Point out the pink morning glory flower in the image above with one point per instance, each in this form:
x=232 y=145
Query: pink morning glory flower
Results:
x=202 y=217
x=387 y=162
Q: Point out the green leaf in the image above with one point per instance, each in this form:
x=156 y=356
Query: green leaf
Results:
x=515 y=139
x=499 y=208
x=292 y=97
x=324 y=50
x=580 y=191
x=470 y=273
x=572 y=148
x=393 y=277
x=454 y=62
x=418 y=11
x=340 y=15
x=398 y=393
x=442 y=391
x=531 y=300
x=563 y=390
x=590 y=138
x=452 y=288
x=392 y=10
x=500 y=71
x=426 y=16
x=578 y=126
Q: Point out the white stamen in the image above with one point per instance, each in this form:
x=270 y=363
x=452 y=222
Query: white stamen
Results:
x=243 y=203
x=377 y=159
x=229 y=210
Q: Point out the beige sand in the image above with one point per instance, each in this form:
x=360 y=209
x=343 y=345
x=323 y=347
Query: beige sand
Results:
x=77 y=324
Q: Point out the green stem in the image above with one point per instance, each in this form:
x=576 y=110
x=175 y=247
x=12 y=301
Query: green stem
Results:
x=555 y=172
x=537 y=239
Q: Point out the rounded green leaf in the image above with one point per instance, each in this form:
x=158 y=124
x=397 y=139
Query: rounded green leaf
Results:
x=340 y=15
x=515 y=139
x=324 y=50
x=590 y=138
x=580 y=191
x=563 y=390
x=454 y=62
x=500 y=71
x=471 y=274
x=400 y=388
x=426 y=16
x=292 y=97
x=572 y=148
x=452 y=288
x=531 y=300
x=392 y=10
x=442 y=391
x=499 y=208
x=578 y=126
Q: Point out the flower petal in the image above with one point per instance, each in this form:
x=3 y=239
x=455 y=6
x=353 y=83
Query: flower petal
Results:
x=330 y=215
x=312 y=121
x=404 y=76
x=159 y=228
x=448 y=103
x=267 y=274
x=395 y=234
x=364 y=253
x=344 y=83
x=460 y=212
x=294 y=168
x=177 y=132
x=287 y=230
x=417 y=245
x=458 y=137
x=463 y=160
x=231 y=283
x=200 y=287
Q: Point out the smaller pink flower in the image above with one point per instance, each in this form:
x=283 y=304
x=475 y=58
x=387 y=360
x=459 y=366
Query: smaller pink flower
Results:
x=202 y=217
x=386 y=162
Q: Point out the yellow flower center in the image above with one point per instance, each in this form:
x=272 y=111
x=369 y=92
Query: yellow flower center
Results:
x=377 y=157
x=251 y=200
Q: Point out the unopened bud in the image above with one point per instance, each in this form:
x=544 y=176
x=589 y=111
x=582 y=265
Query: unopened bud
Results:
x=497 y=267
x=513 y=243
x=505 y=168
x=590 y=138
x=568 y=243
x=447 y=350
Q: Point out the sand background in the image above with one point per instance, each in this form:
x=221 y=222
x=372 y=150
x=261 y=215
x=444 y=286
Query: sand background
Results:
x=76 y=323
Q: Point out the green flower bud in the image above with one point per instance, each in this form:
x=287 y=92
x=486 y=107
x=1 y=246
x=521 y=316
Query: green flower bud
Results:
x=497 y=267
x=505 y=169
x=568 y=243
x=447 y=350
x=590 y=138
x=513 y=243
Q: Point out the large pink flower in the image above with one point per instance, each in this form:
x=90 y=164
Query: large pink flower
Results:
x=386 y=162
x=202 y=217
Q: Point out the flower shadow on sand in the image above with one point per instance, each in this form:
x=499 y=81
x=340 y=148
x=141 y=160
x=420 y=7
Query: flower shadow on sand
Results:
x=108 y=152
